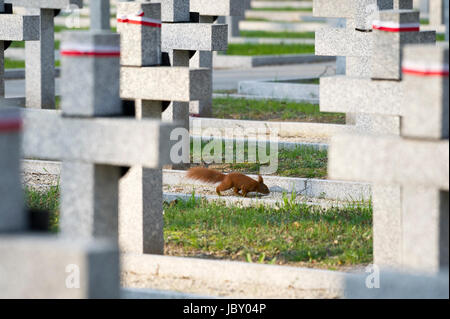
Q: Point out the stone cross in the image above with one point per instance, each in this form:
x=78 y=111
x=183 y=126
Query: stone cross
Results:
x=40 y=55
x=446 y=18
x=207 y=11
x=421 y=5
x=437 y=12
x=411 y=170
x=91 y=136
x=12 y=217
x=26 y=29
x=364 y=48
x=182 y=34
x=233 y=21
x=373 y=87
x=93 y=264
x=349 y=39
x=100 y=15
x=152 y=87
x=140 y=190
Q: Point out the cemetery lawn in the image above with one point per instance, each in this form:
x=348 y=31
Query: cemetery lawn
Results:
x=250 y=49
x=272 y=110
x=46 y=201
x=303 y=161
x=295 y=234
x=14 y=64
x=292 y=234
x=20 y=64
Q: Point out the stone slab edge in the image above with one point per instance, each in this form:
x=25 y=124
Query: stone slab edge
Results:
x=238 y=61
x=285 y=129
x=142 y=293
x=220 y=271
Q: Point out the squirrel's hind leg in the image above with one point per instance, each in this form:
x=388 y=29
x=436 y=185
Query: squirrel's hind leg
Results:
x=236 y=191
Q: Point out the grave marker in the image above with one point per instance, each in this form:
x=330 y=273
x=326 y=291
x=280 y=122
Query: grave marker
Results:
x=14 y=27
x=140 y=190
x=207 y=12
x=40 y=56
x=94 y=265
x=374 y=54
x=12 y=217
x=416 y=236
x=437 y=12
x=99 y=15
x=369 y=92
x=93 y=149
x=153 y=87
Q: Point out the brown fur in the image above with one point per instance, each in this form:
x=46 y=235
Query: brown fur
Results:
x=236 y=181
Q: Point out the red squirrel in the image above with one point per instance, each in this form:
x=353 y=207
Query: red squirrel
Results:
x=237 y=181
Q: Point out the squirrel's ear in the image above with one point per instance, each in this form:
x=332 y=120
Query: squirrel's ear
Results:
x=260 y=179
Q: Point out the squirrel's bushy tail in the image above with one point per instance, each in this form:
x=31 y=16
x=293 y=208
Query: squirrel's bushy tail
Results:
x=204 y=174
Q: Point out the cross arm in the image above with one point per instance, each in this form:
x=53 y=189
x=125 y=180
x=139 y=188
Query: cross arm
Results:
x=358 y=95
x=194 y=36
x=390 y=160
x=15 y=27
x=46 y=4
x=179 y=84
x=111 y=141
x=219 y=7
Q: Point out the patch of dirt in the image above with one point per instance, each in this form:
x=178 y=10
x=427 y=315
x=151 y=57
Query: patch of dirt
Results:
x=222 y=289
x=39 y=182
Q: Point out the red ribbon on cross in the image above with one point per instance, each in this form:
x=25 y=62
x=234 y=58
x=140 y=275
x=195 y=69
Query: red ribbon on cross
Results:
x=424 y=69
x=139 y=19
x=389 y=26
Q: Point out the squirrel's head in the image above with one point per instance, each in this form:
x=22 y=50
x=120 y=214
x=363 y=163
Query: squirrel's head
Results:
x=262 y=188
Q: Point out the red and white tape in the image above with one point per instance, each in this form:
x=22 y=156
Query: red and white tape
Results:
x=139 y=19
x=424 y=69
x=77 y=49
x=390 y=26
x=10 y=124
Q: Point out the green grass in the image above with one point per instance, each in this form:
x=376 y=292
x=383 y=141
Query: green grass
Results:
x=258 y=19
x=272 y=110
x=17 y=44
x=21 y=44
x=292 y=234
x=302 y=161
x=14 y=64
x=46 y=201
x=20 y=64
x=440 y=37
x=307 y=81
x=250 y=49
x=280 y=34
